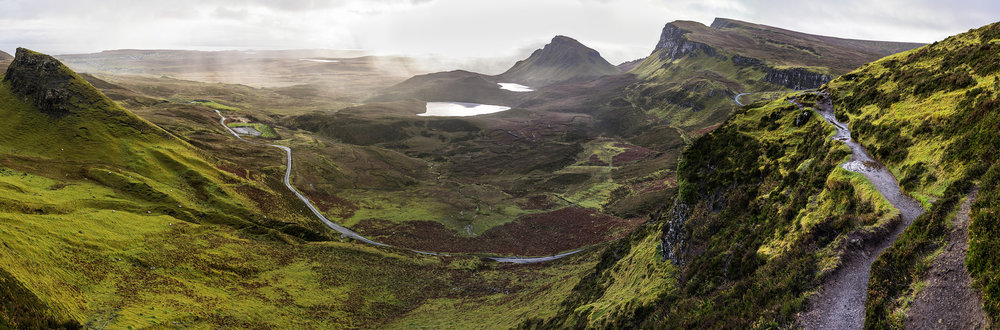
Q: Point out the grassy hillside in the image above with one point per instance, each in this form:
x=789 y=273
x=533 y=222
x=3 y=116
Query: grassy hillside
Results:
x=784 y=48
x=451 y=86
x=5 y=60
x=158 y=232
x=931 y=116
x=695 y=70
x=762 y=214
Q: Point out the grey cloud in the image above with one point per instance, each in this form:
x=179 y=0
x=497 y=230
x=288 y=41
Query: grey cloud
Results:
x=226 y=13
x=620 y=29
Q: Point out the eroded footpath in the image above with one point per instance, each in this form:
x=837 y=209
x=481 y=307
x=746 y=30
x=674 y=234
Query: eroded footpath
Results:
x=840 y=303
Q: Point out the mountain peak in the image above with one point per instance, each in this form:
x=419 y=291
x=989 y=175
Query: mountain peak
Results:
x=562 y=59
x=5 y=57
x=561 y=39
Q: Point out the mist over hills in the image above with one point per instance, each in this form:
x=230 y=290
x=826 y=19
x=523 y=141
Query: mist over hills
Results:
x=726 y=180
x=563 y=59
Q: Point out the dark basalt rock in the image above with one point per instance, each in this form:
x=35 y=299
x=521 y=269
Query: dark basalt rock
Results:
x=42 y=80
x=675 y=45
x=802 y=118
x=743 y=61
x=674 y=239
x=796 y=78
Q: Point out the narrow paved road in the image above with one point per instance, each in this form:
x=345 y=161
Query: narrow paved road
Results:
x=288 y=174
x=350 y=233
x=841 y=300
x=737 y=98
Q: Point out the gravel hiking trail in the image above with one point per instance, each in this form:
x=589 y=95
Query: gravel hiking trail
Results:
x=350 y=233
x=949 y=301
x=840 y=303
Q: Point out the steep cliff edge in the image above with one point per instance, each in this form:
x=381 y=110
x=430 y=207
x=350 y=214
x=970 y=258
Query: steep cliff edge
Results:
x=764 y=213
x=735 y=57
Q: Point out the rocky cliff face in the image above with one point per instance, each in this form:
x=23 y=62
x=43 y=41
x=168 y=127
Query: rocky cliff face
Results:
x=673 y=44
x=743 y=61
x=796 y=78
x=674 y=236
x=45 y=81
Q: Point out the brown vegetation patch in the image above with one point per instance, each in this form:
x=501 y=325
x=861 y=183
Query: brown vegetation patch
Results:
x=538 y=202
x=531 y=235
x=705 y=130
x=235 y=170
x=595 y=160
x=342 y=208
x=655 y=185
x=264 y=200
x=632 y=153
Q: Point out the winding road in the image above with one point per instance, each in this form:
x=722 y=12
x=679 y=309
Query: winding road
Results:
x=737 y=98
x=350 y=233
x=840 y=303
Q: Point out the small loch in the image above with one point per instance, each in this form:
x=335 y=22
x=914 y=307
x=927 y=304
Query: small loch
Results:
x=460 y=109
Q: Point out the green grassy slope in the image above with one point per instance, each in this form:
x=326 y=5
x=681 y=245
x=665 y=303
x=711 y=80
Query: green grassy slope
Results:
x=931 y=116
x=690 y=79
x=786 y=48
x=762 y=214
x=153 y=233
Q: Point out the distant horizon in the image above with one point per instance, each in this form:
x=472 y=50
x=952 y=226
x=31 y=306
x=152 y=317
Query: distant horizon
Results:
x=372 y=52
x=621 y=30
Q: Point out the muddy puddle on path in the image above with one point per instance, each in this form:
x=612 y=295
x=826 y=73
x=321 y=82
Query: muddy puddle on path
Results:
x=840 y=303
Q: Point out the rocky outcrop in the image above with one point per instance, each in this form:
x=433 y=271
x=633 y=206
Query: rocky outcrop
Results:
x=796 y=78
x=673 y=241
x=743 y=61
x=43 y=80
x=673 y=44
x=54 y=89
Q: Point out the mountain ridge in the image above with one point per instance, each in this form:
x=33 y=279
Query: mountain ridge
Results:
x=775 y=46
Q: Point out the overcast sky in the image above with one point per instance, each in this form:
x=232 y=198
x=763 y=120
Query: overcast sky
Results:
x=620 y=29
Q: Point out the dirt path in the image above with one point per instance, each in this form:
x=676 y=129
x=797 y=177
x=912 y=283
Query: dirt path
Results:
x=949 y=301
x=840 y=303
